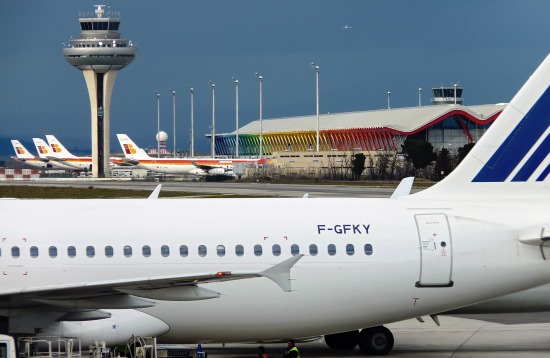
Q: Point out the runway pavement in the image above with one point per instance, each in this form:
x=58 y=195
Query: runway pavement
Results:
x=456 y=338
x=239 y=188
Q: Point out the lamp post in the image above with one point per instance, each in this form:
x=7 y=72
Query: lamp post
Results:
x=213 y=118
x=158 y=124
x=389 y=94
x=455 y=91
x=236 y=116
x=174 y=110
x=261 y=79
x=316 y=68
x=192 y=120
x=419 y=96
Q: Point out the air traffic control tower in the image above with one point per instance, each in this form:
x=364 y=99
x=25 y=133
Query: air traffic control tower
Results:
x=99 y=53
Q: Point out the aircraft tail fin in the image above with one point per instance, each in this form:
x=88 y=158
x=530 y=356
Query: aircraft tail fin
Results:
x=43 y=149
x=130 y=149
x=512 y=158
x=20 y=151
x=58 y=148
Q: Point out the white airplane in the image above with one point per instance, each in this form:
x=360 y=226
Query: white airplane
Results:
x=196 y=166
x=22 y=155
x=62 y=155
x=346 y=27
x=45 y=153
x=276 y=268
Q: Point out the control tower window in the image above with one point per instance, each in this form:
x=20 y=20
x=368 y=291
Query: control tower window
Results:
x=114 y=26
x=100 y=25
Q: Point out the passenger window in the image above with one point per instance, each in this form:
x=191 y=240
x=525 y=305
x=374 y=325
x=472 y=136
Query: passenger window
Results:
x=165 y=251
x=239 y=250
x=15 y=251
x=295 y=250
x=276 y=249
x=350 y=250
x=128 y=251
x=331 y=250
x=368 y=249
x=52 y=250
x=221 y=250
x=202 y=250
x=258 y=250
x=146 y=251
x=109 y=251
x=71 y=251
x=184 y=251
x=90 y=251
x=34 y=251
x=313 y=250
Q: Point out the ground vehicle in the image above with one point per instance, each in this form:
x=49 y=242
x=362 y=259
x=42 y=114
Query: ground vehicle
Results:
x=7 y=347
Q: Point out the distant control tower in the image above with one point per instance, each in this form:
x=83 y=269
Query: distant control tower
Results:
x=447 y=95
x=100 y=52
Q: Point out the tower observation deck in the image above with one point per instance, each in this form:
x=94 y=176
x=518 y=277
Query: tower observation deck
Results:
x=99 y=53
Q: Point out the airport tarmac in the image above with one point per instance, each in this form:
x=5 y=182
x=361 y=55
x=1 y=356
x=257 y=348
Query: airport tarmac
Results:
x=238 y=188
x=456 y=338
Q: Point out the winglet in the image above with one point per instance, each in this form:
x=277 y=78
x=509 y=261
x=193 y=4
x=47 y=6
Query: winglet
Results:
x=280 y=273
x=404 y=188
x=155 y=193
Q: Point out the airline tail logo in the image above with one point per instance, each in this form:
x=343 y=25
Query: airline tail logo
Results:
x=42 y=149
x=522 y=155
x=20 y=150
x=55 y=148
x=129 y=149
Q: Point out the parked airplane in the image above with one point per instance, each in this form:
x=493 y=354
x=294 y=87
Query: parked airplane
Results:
x=62 y=155
x=197 y=166
x=45 y=153
x=22 y=155
x=339 y=267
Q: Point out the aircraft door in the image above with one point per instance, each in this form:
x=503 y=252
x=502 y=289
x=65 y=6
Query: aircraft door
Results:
x=436 y=257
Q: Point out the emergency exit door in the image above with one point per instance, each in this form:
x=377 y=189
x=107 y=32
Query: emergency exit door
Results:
x=436 y=251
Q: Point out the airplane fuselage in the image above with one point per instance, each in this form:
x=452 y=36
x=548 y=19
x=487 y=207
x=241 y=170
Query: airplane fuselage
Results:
x=362 y=267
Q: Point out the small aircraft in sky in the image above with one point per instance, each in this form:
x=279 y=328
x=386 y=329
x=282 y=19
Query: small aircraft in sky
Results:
x=346 y=27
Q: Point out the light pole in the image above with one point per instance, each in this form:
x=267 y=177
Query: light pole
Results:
x=174 y=108
x=261 y=79
x=213 y=118
x=389 y=94
x=419 y=96
x=158 y=124
x=316 y=68
x=236 y=116
x=192 y=120
x=455 y=91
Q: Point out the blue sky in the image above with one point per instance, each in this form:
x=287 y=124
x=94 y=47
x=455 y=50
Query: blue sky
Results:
x=489 y=47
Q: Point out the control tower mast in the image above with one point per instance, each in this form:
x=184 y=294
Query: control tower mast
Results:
x=99 y=53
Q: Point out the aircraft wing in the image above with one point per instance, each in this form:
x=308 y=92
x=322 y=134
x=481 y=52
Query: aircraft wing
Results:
x=122 y=293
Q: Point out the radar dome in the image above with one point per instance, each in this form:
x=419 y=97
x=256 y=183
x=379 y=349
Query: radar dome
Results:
x=162 y=136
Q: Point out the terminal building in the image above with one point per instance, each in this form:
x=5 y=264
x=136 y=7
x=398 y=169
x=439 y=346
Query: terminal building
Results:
x=447 y=123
